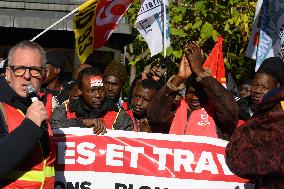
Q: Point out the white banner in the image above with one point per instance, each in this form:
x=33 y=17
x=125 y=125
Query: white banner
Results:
x=150 y=24
x=131 y=160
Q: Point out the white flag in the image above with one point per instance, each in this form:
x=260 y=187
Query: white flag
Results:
x=267 y=38
x=150 y=24
x=2 y=62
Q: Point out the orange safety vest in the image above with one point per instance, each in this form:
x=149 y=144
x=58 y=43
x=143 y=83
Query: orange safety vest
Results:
x=199 y=122
x=33 y=171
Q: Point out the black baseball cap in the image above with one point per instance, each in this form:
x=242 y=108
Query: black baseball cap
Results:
x=56 y=59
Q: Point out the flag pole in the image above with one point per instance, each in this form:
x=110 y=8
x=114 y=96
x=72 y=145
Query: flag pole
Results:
x=54 y=24
x=165 y=30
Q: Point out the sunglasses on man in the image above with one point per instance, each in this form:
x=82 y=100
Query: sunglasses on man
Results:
x=19 y=71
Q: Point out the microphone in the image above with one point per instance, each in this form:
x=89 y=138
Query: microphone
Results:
x=31 y=93
x=44 y=139
x=32 y=96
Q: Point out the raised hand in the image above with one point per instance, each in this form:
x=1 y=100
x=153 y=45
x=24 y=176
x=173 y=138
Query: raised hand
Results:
x=152 y=74
x=184 y=71
x=154 y=70
x=195 y=57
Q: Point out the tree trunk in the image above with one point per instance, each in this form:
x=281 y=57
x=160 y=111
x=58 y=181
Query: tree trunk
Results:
x=132 y=73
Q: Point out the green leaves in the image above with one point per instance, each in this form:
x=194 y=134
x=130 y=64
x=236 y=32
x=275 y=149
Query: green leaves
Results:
x=197 y=24
x=215 y=35
x=200 y=5
x=177 y=32
x=203 y=21
x=169 y=51
x=206 y=31
x=177 y=53
x=177 y=18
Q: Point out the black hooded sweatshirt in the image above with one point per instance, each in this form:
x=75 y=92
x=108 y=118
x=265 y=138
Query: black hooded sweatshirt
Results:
x=15 y=146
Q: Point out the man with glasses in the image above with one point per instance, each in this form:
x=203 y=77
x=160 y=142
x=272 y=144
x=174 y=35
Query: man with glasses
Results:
x=26 y=147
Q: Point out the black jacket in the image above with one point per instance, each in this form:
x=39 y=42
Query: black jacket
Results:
x=61 y=95
x=16 y=145
x=244 y=105
x=59 y=116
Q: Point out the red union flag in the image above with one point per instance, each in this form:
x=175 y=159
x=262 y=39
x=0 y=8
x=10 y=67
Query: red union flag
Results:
x=94 y=23
x=215 y=62
x=109 y=12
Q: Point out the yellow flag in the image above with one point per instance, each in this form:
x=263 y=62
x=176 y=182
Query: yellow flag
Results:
x=84 y=29
x=282 y=104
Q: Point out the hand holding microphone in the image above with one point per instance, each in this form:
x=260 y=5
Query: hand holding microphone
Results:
x=36 y=111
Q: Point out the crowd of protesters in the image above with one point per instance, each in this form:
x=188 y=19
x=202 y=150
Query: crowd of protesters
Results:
x=191 y=102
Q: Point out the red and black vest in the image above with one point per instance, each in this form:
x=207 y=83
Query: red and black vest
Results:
x=109 y=118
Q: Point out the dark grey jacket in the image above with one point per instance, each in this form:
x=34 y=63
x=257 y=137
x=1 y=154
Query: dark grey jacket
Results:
x=60 y=119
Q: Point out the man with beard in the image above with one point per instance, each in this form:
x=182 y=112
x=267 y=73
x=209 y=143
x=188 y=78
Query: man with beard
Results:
x=143 y=94
x=90 y=109
x=26 y=144
x=208 y=109
x=114 y=78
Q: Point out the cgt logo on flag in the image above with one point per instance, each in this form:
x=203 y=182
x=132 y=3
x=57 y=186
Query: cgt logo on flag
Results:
x=94 y=23
x=108 y=15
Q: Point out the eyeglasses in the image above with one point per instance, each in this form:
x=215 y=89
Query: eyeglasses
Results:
x=19 y=71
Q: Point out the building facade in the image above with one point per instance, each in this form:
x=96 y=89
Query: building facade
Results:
x=24 y=19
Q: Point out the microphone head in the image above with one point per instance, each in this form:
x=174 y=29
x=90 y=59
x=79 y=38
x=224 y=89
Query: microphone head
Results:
x=30 y=89
x=31 y=93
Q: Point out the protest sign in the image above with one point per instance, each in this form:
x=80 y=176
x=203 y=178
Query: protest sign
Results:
x=131 y=160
